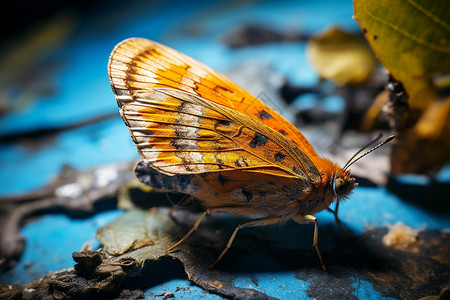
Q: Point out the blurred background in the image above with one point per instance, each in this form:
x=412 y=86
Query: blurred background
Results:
x=57 y=110
x=54 y=84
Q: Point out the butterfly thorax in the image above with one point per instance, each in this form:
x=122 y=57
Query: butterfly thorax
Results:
x=335 y=183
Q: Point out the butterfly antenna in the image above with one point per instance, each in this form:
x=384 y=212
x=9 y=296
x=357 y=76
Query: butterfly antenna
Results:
x=351 y=161
x=376 y=138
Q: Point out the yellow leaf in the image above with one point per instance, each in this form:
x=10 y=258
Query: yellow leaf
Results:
x=374 y=111
x=435 y=122
x=342 y=57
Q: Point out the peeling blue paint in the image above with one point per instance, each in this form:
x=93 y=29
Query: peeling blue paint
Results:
x=181 y=289
x=364 y=291
x=50 y=242
x=279 y=285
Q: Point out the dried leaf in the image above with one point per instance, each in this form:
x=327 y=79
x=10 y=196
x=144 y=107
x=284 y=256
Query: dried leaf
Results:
x=122 y=235
x=425 y=147
x=342 y=57
x=136 y=229
x=435 y=122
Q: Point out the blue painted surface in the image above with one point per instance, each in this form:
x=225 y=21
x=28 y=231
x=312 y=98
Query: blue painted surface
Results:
x=50 y=242
x=279 y=285
x=364 y=291
x=23 y=169
x=180 y=289
x=83 y=92
x=378 y=208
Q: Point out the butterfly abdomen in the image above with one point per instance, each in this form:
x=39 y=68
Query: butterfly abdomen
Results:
x=161 y=181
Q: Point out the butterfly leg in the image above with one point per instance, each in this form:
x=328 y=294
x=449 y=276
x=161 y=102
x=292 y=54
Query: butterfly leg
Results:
x=197 y=223
x=338 y=222
x=304 y=219
x=248 y=223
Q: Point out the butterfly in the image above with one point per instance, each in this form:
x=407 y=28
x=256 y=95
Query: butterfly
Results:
x=201 y=134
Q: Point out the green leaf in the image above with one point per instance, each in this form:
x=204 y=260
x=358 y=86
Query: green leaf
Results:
x=412 y=40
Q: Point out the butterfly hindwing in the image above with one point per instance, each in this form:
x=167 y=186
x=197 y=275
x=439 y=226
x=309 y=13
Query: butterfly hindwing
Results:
x=232 y=191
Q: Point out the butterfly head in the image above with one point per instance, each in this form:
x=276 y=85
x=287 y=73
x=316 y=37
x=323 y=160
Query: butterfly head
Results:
x=336 y=184
x=341 y=181
x=342 y=184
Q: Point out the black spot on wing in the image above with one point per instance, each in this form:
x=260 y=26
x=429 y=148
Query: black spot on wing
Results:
x=223 y=122
x=297 y=170
x=264 y=115
x=279 y=157
x=248 y=195
x=151 y=52
x=222 y=179
x=282 y=132
x=258 y=140
x=220 y=89
x=182 y=144
x=146 y=146
x=262 y=194
x=220 y=162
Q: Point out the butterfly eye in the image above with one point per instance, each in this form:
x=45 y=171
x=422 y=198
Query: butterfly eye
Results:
x=339 y=186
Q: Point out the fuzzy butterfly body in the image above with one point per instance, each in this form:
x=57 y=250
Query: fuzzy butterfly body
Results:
x=202 y=135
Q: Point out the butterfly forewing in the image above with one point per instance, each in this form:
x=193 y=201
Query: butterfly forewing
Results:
x=180 y=133
x=139 y=64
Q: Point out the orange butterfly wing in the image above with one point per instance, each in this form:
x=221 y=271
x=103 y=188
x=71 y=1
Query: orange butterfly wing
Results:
x=181 y=133
x=150 y=65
